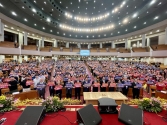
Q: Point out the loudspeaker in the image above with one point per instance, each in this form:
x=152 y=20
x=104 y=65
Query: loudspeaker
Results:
x=32 y=115
x=130 y=115
x=88 y=116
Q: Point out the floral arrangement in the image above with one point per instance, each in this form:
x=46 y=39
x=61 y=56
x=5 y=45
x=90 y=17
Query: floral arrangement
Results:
x=133 y=102
x=6 y=104
x=69 y=101
x=27 y=102
x=150 y=105
x=52 y=104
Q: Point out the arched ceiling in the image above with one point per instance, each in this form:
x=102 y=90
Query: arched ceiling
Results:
x=86 y=19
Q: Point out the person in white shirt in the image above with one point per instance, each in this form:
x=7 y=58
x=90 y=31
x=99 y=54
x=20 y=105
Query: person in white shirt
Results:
x=36 y=80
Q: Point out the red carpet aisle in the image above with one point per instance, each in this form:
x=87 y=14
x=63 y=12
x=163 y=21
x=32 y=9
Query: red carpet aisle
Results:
x=107 y=119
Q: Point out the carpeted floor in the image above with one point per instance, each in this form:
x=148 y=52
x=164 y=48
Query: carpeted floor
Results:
x=64 y=118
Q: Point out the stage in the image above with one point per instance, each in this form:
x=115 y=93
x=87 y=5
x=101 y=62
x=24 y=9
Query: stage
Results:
x=63 y=118
x=92 y=97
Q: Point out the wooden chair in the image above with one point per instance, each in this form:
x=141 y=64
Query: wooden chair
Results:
x=152 y=90
x=4 y=91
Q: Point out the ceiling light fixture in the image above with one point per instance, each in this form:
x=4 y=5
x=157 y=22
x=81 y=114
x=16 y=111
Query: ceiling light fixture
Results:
x=156 y=17
x=134 y=15
x=34 y=10
x=48 y=19
x=90 y=19
x=25 y=19
x=157 y=30
x=1 y=5
x=13 y=13
x=152 y=2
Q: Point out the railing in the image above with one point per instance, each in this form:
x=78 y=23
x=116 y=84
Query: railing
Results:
x=8 y=44
x=55 y=49
x=123 y=50
x=29 y=47
x=141 y=49
x=46 y=49
x=159 y=47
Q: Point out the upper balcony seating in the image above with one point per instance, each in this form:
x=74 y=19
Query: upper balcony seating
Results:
x=124 y=50
x=75 y=49
x=66 y=49
x=141 y=49
x=46 y=48
x=29 y=47
x=159 y=47
x=102 y=50
x=93 y=50
x=8 y=44
x=55 y=49
x=112 y=50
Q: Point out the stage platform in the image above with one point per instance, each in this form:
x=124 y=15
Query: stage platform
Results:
x=92 y=97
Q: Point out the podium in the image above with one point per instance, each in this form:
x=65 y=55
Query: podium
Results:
x=107 y=106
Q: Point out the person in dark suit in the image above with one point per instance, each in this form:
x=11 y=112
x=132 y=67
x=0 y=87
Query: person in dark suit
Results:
x=136 y=89
x=77 y=85
x=41 y=88
x=69 y=86
x=51 y=84
x=126 y=84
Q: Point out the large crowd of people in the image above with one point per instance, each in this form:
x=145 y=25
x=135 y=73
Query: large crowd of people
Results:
x=72 y=75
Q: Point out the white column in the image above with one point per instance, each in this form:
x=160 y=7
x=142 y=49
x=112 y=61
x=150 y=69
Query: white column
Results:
x=138 y=44
x=14 y=57
x=55 y=43
x=113 y=45
x=2 y=57
x=26 y=58
x=39 y=58
x=165 y=61
x=143 y=40
x=67 y=44
x=148 y=41
x=42 y=42
x=1 y=31
x=25 y=38
x=20 y=39
x=79 y=45
x=89 y=46
x=126 y=43
x=15 y=38
x=101 y=45
x=166 y=36
x=20 y=59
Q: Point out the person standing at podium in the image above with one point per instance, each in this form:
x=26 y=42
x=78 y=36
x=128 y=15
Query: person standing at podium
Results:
x=69 y=86
x=136 y=89
x=77 y=85
x=58 y=89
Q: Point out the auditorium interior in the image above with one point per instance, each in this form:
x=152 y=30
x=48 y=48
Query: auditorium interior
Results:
x=100 y=59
